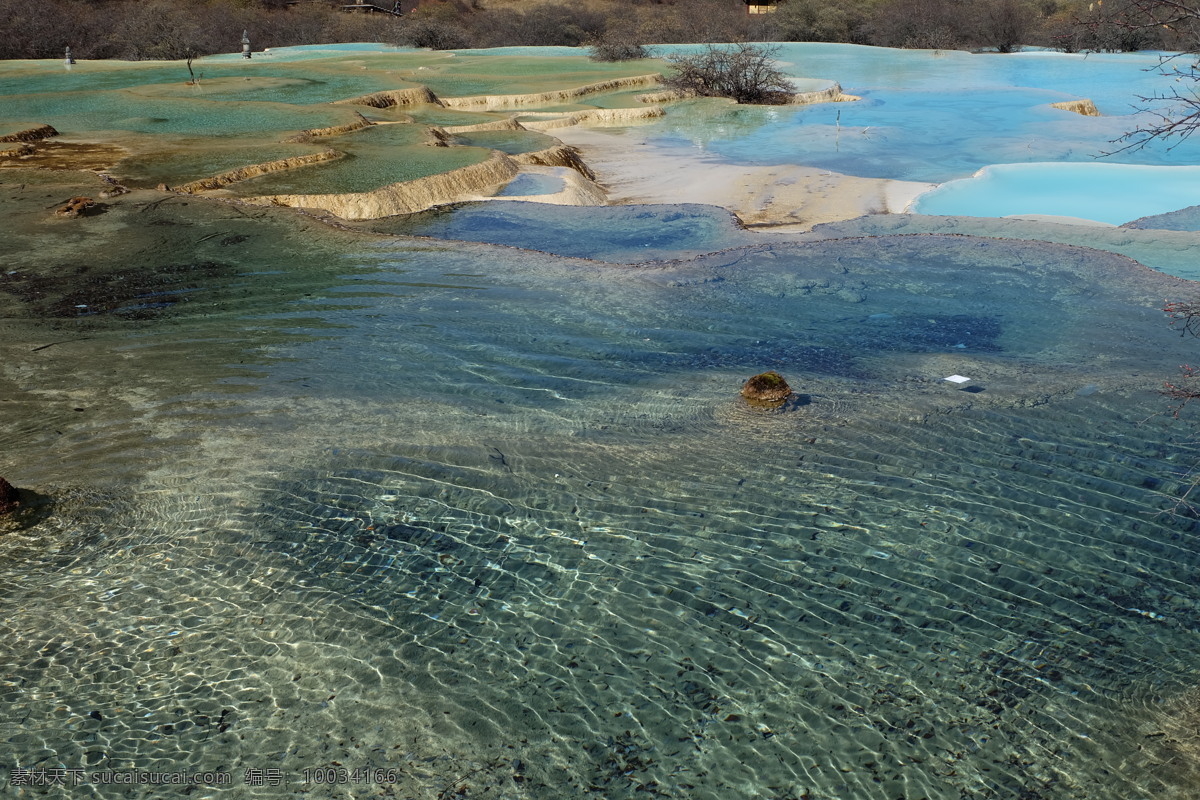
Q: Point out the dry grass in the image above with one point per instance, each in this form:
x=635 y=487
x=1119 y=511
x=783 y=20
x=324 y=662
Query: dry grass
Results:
x=603 y=6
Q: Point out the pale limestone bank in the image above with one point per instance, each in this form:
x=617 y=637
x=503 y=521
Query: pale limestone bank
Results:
x=474 y=182
x=577 y=190
x=665 y=96
x=1084 y=106
x=493 y=102
x=559 y=155
x=421 y=95
x=30 y=134
x=509 y=124
x=416 y=96
x=832 y=94
x=255 y=170
x=407 y=197
x=358 y=124
x=785 y=197
x=591 y=117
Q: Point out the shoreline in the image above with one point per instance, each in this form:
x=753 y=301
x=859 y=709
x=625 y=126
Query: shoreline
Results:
x=785 y=197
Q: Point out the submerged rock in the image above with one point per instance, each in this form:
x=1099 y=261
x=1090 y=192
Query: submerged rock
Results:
x=75 y=207
x=1082 y=106
x=10 y=498
x=115 y=188
x=768 y=388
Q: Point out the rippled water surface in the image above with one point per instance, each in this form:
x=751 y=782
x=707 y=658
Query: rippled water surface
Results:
x=497 y=520
x=489 y=518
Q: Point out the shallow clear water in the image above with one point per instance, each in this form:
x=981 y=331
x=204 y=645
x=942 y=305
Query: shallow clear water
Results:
x=1165 y=244
x=622 y=234
x=511 y=142
x=495 y=522
x=530 y=185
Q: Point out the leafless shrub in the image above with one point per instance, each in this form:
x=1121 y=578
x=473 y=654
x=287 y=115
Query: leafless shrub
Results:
x=920 y=24
x=820 y=21
x=543 y=25
x=743 y=72
x=617 y=43
x=1005 y=24
x=1185 y=318
x=435 y=34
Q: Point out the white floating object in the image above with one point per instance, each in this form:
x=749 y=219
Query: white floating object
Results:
x=957 y=378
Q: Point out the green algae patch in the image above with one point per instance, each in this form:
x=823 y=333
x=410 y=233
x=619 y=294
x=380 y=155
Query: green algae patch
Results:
x=257 y=87
x=86 y=112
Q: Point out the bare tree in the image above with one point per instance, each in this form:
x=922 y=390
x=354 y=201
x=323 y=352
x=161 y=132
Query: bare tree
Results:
x=921 y=25
x=1172 y=115
x=1005 y=24
x=435 y=34
x=743 y=72
x=820 y=21
x=1185 y=318
x=616 y=43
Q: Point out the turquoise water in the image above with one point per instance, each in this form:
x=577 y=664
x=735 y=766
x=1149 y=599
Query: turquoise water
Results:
x=489 y=519
x=529 y=185
x=929 y=116
x=1112 y=193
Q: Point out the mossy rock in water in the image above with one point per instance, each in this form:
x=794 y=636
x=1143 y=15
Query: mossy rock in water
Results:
x=768 y=388
x=10 y=499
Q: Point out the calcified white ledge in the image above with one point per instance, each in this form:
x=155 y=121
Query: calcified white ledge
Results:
x=787 y=197
x=796 y=197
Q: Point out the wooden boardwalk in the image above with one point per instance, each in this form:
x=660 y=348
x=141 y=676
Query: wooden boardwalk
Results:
x=372 y=7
